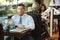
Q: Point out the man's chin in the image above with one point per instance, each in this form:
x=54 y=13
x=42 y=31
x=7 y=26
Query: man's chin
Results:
x=21 y=14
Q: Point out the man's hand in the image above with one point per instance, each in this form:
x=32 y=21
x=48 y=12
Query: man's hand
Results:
x=8 y=24
x=21 y=26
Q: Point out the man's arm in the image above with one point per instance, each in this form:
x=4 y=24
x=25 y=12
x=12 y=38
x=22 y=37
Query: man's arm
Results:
x=31 y=24
x=4 y=25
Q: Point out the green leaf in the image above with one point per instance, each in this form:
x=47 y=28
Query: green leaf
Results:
x=10 y=0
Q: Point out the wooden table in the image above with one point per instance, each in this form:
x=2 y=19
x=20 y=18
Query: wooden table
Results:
x=14 y=34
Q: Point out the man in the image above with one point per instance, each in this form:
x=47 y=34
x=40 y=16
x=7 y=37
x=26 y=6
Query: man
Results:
x=36 y=16
x=23 y=21
x=29 y=7
x=39 y=28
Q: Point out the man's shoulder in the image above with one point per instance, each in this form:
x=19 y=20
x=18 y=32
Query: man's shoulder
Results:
x=16 y=15
x=28 y=16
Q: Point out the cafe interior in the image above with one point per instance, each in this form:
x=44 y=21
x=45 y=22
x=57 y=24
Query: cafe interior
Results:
x=47 y=22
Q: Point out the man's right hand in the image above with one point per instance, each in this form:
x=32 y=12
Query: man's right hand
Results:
x=8 y=24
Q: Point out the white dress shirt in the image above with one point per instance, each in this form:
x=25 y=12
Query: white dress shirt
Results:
x=27 y=21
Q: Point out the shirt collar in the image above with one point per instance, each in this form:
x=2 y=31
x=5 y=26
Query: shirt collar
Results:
x=22 y=15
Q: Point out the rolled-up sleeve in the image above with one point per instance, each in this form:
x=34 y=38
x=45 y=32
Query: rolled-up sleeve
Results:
x=4 y=25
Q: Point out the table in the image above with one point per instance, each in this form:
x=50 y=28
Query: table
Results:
x=14 y=34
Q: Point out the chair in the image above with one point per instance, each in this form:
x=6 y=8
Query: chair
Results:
x=1 y=32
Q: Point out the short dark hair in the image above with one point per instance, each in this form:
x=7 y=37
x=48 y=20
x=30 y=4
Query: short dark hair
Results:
x=21 y=5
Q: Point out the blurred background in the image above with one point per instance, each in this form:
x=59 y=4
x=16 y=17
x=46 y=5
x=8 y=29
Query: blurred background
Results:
x=8 y=7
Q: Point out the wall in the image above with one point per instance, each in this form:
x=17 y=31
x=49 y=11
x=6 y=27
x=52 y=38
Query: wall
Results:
x=46 y=2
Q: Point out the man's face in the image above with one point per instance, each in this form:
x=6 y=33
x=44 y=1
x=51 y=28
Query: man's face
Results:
x=20 y=10
x=29 y=8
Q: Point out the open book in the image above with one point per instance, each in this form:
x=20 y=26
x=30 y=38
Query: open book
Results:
x=18 y=30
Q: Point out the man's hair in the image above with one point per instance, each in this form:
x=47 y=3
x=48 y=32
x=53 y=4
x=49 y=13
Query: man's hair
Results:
x=37 y=5
x=21 y=5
